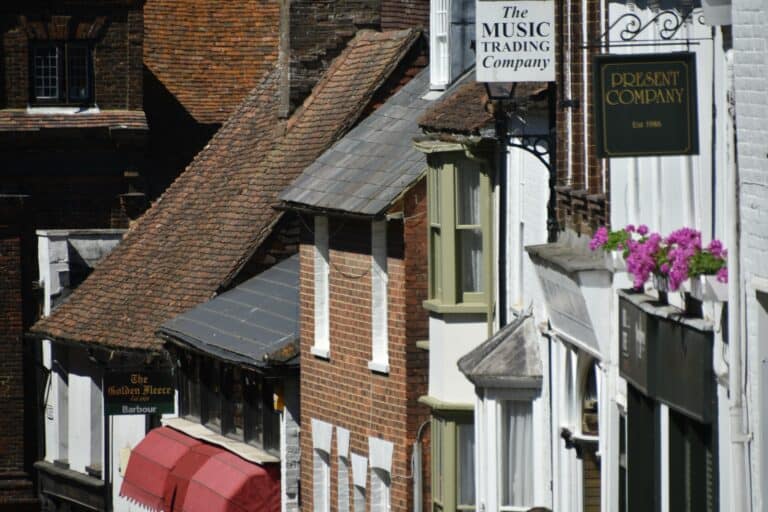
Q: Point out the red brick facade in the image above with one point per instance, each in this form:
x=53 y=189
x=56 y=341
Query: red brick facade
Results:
x=397 y=14
x=115 y=29
x=342 y=391
x=582 y=188
x=18 y=429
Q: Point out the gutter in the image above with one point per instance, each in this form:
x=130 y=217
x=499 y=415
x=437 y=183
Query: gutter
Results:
x=740 y=435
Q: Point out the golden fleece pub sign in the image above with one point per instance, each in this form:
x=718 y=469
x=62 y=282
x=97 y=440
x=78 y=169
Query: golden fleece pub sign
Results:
x=645 y=105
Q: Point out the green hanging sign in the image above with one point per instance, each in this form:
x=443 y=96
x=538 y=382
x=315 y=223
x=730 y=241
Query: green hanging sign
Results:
x=138 y=392
x=645 y=105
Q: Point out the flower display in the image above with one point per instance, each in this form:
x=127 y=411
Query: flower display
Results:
x=676 y=257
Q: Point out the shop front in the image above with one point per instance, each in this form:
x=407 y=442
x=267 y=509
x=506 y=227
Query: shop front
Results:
x=670 y=433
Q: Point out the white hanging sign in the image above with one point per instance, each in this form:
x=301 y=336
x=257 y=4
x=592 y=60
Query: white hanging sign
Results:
x=515 y=41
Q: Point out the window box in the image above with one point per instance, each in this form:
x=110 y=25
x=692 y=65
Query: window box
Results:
x=708 y=288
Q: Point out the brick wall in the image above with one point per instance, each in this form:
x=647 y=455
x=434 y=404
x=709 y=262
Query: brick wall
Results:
x=582 y=203
x=398 y=14
x=318 y=33
x=117 y=48
x=17 y=391
x=342 y=390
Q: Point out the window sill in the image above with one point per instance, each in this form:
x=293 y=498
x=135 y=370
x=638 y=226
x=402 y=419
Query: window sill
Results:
x=322 y=353
x=59 y=109
x=423 y=345
x=247 y=451
x=436 y=306
x=378 y=367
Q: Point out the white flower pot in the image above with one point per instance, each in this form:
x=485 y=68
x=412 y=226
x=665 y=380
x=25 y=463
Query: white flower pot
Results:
x=614 y=261
x=661 y=283
x=708 y=288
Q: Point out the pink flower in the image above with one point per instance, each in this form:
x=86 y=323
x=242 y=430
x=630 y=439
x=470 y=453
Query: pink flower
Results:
x=599 y=239
x=722 y=275
x=642 y=230
x=630 y=228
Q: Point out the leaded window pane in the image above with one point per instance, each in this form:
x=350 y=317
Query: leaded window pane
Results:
x=46 y=72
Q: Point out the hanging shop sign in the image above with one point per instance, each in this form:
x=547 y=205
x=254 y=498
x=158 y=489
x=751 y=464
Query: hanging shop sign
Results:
x=645 y=105
x=515 y=41
x=139 y=392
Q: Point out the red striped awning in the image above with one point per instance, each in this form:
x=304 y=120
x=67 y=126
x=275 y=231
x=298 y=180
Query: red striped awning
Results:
x=227 y=483
x=150 y=466
x=178 y=481
x=171 y=472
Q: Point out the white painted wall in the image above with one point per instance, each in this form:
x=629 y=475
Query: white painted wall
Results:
x=750 y=43
x=450 y=338
x=667 y=193
x=126 y=432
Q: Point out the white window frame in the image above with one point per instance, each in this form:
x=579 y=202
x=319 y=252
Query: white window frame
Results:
x=322 y=433
x=379 y=298
x=322 y=344
x=380 y=453
x=381 y=482
x=343 y=498
x=359 y=476
x=440 y=62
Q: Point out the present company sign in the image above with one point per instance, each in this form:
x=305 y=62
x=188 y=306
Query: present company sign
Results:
x=515 y=41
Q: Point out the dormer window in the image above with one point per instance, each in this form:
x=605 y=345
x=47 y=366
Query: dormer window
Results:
x=61 y=73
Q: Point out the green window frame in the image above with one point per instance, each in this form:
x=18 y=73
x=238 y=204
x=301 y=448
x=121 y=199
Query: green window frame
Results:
x=460 y=252
x=447 y=463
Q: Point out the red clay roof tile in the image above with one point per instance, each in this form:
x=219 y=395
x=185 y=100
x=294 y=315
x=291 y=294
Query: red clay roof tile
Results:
x=210 y=54
x=209 y=222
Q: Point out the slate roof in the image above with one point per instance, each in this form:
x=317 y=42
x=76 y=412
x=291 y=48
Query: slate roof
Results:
x=209 y=222
x=372 y=164
x=22 y=120
x=256 y=323
x=465 y=108
x=508 y=359
x=209 y=55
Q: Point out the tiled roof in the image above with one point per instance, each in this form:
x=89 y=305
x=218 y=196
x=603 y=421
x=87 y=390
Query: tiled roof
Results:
x=209 y=55
x=22 y=120
x=255 y=323
x=465 y=107
x=371 y=165
x=209 y=222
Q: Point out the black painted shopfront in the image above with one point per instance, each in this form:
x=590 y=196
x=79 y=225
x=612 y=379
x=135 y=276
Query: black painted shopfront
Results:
x=666 y=359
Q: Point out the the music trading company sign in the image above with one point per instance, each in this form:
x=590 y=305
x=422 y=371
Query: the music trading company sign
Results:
x=515 y=41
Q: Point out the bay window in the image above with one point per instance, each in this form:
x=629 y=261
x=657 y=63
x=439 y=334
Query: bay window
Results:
x=453 y=462
x=229 y=400
x=459 y=199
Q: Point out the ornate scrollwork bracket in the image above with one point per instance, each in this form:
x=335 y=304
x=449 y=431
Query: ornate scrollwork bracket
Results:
x=629 y=27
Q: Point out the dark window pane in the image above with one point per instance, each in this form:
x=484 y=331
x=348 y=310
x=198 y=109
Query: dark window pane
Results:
x=271 y=420
x=233 y=398
x=212 y=385
x=77 y=72
x=189 y=385
x=252 y=394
